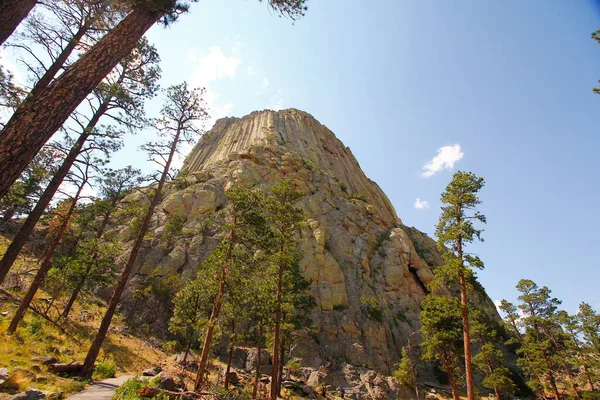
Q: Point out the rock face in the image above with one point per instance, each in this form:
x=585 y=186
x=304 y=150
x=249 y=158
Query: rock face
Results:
x=369 y=272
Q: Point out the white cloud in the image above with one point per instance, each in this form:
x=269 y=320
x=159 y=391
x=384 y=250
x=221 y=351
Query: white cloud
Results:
x=210 y=67
x=265 y=83
x=421 y=204
x=213 y=66
x=446 y=157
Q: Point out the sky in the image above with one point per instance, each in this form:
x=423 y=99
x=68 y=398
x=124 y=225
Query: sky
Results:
x=420 y=89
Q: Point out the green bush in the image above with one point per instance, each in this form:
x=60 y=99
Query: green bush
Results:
x=370 y=306
x=104 y=371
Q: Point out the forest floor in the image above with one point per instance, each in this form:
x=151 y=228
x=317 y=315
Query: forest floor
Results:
x=22 y=353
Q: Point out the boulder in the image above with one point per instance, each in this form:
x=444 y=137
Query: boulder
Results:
x=166 y=382
x=46 y=360
x=265 y=359
x=30 y=394
x=152 y=371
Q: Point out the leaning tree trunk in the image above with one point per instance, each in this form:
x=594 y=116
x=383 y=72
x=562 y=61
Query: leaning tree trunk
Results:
x=90 y=359
x=25 y=230
x=65 y=54
x=45 y=267
x=38 y=119
x=12 y=12
x=209 y=331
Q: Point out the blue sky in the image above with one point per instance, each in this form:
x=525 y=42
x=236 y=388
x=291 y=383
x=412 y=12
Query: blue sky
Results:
x=510 y=82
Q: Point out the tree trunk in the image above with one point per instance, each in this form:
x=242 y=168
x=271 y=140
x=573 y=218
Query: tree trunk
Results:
x=209 y=332
x=281 y=364
x=12 y=12
x=257 y=372
x=25 y=230
x=44 y=268
x=553 y=386
x=276 y=340
x=64 y=54
x=465 y=320
x=230 y=356
x=38 y=119
x=92 y=354
x=454 y=387
x=9 y=213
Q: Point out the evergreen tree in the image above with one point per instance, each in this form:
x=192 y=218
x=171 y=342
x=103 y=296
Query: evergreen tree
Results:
x=192 y=306
x=82 y=177
x=406 y=372
x=285 y=217
x=57 y=31
x=96 y=258
x=119 y=98
x=183 y=109
x=441 y=330
x=454 y=231
x=25 y=193
x=38 y=119
x=490 y=360
x=242 y=235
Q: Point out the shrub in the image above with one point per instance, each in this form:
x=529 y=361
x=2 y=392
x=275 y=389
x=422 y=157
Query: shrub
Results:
x=339 y=307
x=104 y=371
x=370 y=306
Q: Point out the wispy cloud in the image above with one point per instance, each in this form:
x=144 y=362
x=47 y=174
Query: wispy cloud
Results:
x=446 y=157
x=251 y=71
x=213 y=66
x=421 y=204
x=265 y=83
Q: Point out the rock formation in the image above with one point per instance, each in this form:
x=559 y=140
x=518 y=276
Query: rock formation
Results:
x=369 y=272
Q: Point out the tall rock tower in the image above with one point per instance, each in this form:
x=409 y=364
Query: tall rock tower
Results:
x=356 y=251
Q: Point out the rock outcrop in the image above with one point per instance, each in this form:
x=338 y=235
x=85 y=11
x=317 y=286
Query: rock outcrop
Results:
x=369 y=272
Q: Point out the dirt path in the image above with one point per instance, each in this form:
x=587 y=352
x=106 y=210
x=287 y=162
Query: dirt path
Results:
x=100 y=390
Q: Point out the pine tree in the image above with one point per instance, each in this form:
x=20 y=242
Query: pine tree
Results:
x=38 y=119
x=81 y=178
x=454 y=231
x=192 y=306
x=183 y=109
x=25 y=193
x=406 y=372
x=242 y=235
x=285 y=218
x=490 y=359
x=119 y=98
x=441 y=330
x=96 y=256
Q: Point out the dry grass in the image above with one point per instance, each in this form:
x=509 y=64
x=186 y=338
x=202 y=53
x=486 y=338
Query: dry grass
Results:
x=37 y=337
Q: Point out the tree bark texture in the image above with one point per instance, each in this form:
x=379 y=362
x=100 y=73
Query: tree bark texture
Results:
x=39 y=118
x=34 y=216
x=45 y=267
x=12 y=12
